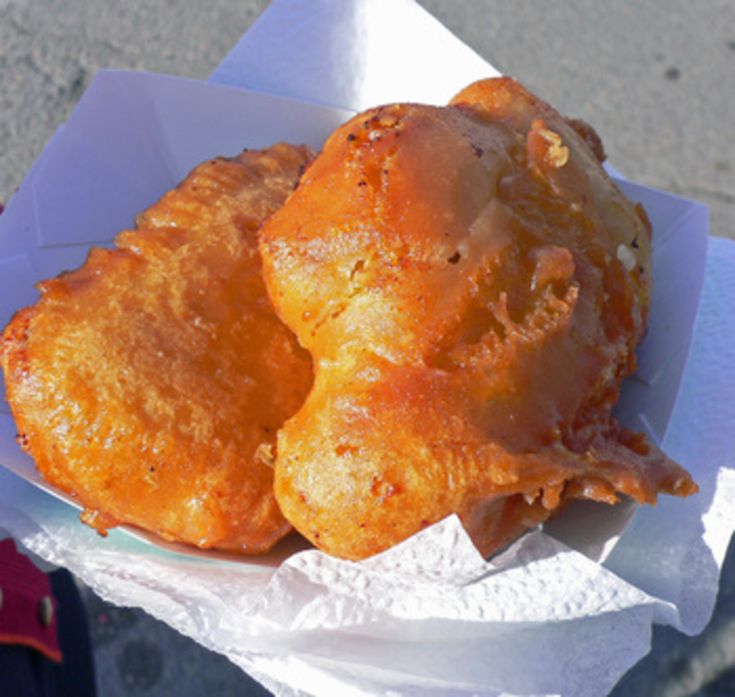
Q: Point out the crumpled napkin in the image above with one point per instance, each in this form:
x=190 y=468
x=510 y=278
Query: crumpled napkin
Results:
x=430 y=616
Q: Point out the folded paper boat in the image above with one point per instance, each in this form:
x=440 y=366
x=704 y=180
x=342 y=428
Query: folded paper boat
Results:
x=134 y=136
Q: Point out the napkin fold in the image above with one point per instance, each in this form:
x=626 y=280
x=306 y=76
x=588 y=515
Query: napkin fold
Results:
x=352 y=54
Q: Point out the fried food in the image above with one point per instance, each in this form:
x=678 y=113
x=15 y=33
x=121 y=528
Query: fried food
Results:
x=150 y=383
x=471 y=286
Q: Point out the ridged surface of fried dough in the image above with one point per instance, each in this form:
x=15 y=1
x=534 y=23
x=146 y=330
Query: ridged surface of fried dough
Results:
x=150 y=383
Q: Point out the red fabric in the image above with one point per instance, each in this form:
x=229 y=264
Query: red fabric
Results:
x=23 y=588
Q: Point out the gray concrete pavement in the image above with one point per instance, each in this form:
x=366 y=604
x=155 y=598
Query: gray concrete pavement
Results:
x=657 y=79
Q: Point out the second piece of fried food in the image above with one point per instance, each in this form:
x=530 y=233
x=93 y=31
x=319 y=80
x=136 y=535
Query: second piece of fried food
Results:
x=471 y=286
x=150 y=383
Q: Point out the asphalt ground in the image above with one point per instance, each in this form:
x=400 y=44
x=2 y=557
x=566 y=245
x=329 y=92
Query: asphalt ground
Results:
x=656 y=79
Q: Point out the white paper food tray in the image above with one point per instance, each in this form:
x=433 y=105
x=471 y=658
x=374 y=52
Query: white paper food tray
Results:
x=136 y=135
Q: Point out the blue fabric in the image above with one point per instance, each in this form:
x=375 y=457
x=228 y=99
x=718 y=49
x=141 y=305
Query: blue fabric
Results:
x=75 y=676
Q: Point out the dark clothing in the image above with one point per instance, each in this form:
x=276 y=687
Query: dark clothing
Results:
x=45 y=650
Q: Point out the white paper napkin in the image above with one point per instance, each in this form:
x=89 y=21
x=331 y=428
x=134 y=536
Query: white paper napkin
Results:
x=430 y=617
x=352 y=54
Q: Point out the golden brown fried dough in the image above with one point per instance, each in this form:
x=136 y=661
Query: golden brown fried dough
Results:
x=471 y=286
x=150 y=383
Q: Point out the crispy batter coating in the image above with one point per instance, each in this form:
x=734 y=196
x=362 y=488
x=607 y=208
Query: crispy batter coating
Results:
x=471 y=286
x=150 y=383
